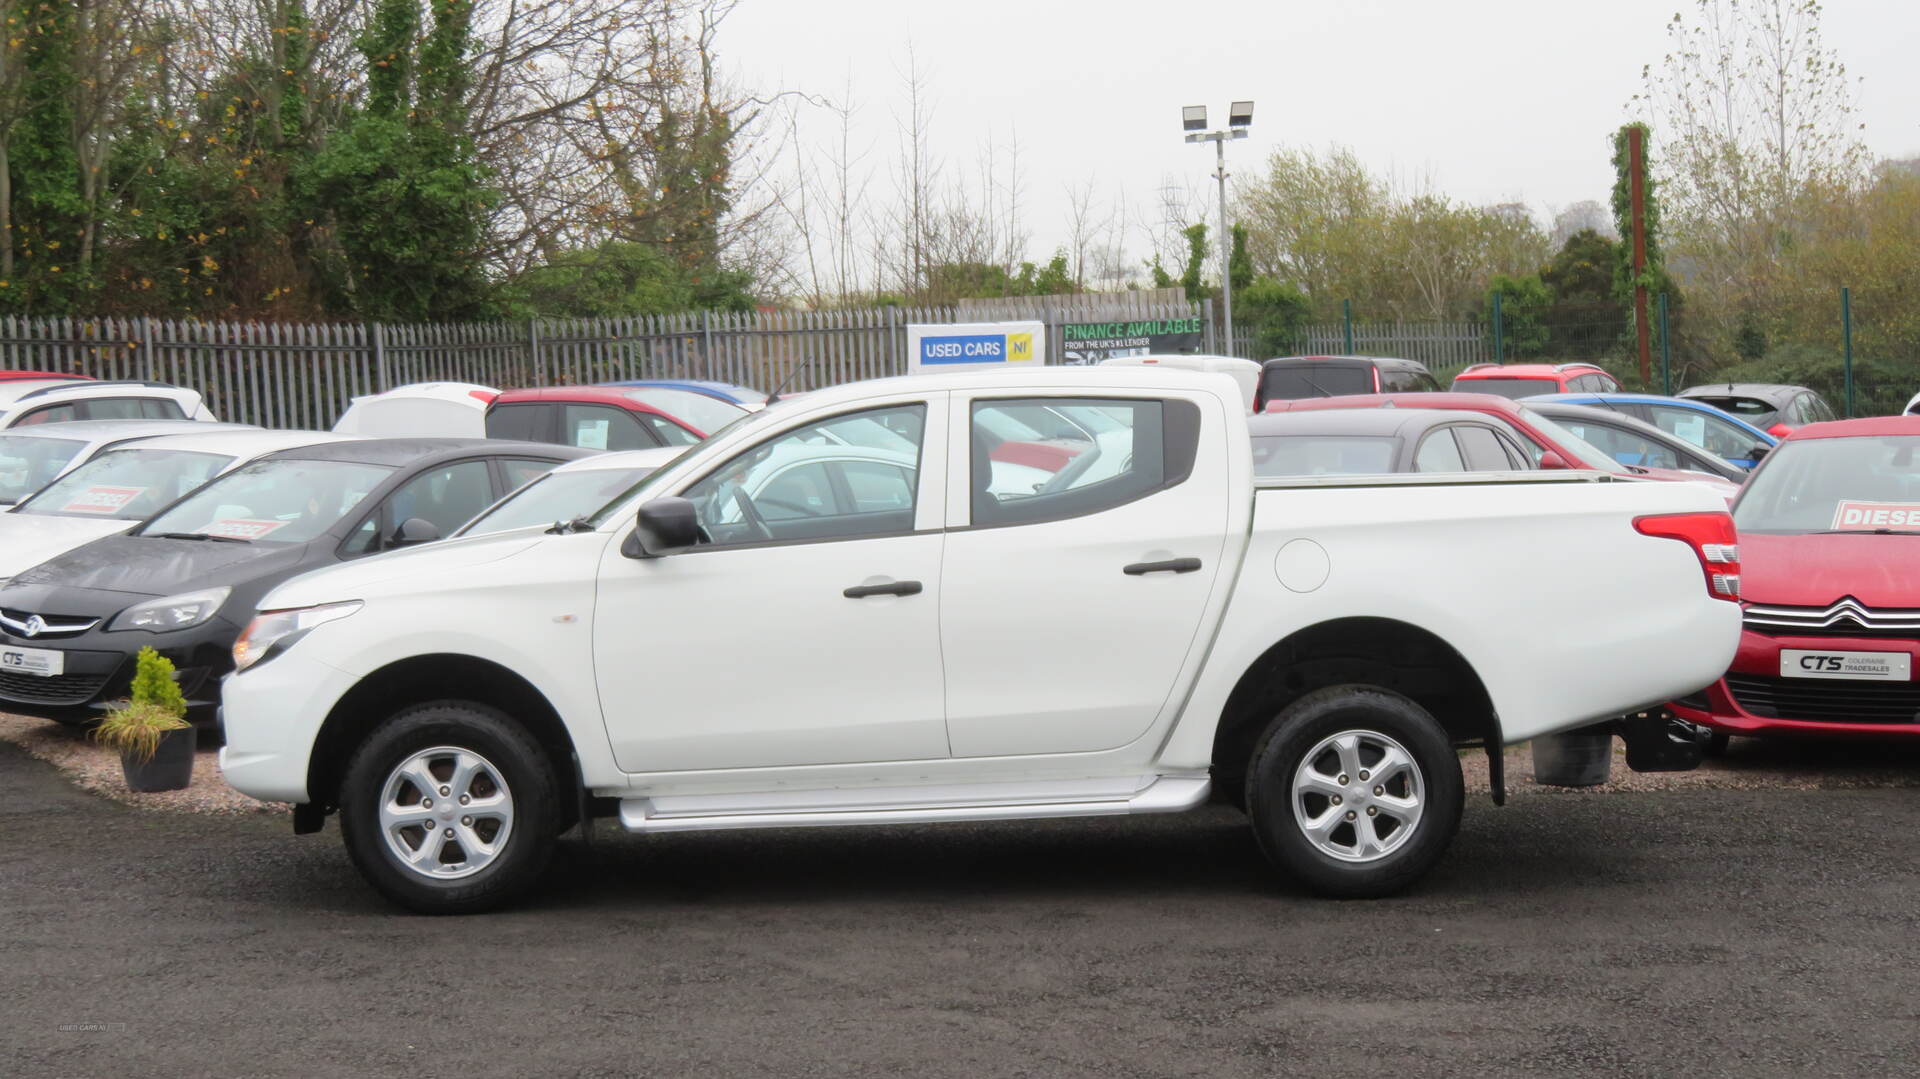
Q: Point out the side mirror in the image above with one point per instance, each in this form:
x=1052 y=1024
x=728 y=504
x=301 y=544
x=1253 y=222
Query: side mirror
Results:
x=663 y=526
x=415 y=530
x=1550 y=459
x=1779 y=430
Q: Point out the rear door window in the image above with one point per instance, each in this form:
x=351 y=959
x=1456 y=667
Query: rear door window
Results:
x=603 y=427
x=1483 y=449
x=1439 y=453
x=520 y=422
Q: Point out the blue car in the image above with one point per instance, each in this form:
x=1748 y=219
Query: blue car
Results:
x=745 y=396
x=1727 y=437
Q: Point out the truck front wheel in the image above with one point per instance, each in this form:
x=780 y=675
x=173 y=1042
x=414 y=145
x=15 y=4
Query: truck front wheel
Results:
x=449 y=807
x=1354 y=790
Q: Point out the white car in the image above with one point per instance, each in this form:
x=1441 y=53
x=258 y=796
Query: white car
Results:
x=1245 y=373
x=918 y=647
x=122 y=487
x=35 y=455
x=57 y=400
x=420 y=409
x=571 y=490
x=1913 y=406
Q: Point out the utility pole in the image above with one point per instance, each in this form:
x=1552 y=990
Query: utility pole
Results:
x=1239 y=117
x=1637 y=192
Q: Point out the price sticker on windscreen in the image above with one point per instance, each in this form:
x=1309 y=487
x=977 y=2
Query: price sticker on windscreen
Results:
x=245 y=528
x=102 y=499
x=1851 y=516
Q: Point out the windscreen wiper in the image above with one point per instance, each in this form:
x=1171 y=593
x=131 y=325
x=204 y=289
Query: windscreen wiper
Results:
x=568 y=528
x=195 y=536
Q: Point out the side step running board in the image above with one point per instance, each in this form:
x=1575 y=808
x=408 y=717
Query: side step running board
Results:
x=1164 y=794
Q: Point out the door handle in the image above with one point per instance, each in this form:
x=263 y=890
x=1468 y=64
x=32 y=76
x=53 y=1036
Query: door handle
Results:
x=1171 y=565
x=897 y=588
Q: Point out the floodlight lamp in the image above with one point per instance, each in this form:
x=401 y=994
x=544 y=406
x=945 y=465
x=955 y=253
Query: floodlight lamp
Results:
x=1193 y=118
x=1240 y=114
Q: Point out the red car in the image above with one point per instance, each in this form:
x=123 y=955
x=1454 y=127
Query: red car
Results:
x=1549 y=444
x=1531 y=379
x=1829 y=530
x=609 y=417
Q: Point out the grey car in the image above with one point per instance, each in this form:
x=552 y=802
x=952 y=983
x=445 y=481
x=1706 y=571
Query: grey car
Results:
x=1373 y=441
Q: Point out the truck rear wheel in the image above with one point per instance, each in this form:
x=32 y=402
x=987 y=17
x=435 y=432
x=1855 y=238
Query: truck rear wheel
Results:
x=1354 y=790
x=450 y=807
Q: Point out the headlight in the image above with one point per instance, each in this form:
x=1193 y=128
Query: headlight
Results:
x=172 y=612
x=272 y=632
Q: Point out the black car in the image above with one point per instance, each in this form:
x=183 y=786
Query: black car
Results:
x=1375 y=441
x=1636 y=443
x=186 y=581
x=1773 y=408
x=1292 y=378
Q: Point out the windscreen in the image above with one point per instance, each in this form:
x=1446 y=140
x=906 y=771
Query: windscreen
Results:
x=28 y=463
x=281 y=500
x=558 y=496
x=1865 y=484
x=126 y=485
x=1751 y=409
x=1323 y=455
x=1294 y=382
x=707 y=414
x=1514 y=388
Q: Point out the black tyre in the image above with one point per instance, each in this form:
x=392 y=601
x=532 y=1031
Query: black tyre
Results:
x=450 y=807
x=1716 y=744
x=1355 y=791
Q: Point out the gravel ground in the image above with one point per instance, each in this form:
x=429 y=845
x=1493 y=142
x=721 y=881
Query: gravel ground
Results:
x=1710 y=932
x=93 y=768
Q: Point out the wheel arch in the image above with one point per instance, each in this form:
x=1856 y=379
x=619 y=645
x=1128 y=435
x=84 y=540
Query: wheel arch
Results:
x=440 y=676
x=1383 y=652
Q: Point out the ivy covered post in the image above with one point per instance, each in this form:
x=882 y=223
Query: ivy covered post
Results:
x=1641 y=271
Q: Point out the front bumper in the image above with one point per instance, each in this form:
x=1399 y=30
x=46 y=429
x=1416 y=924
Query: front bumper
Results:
x=272 y=714
x=98 y=671
x=1753 y=698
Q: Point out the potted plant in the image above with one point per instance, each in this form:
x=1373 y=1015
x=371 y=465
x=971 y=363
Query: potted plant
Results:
x=150 y=730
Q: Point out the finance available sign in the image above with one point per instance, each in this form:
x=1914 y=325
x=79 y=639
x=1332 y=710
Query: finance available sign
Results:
x=1091 y=342
x=961 y=345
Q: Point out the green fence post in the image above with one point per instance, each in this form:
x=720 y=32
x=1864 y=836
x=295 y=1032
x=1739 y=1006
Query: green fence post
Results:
x=1666 y=350
x=1499 y=345
x=1346 y=319
x=1846 y=340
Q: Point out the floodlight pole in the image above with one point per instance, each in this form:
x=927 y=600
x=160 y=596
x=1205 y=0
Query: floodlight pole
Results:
x=1219 y=140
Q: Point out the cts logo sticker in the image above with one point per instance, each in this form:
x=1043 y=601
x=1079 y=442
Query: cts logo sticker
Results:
x=1820 y=663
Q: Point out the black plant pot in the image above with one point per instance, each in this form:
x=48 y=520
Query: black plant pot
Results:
x=171 y=768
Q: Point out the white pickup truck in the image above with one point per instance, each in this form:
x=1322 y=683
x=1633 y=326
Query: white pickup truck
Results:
x=840 y=610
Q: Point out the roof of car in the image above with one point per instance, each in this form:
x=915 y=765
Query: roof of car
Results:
x=1770 y=392
x=1866 y=427
x=1553 y=409
x=115 y=430
x=606 y=395
x=426 y=451
x=16 y=390
x=623 y=459
x=1352 y=361
x=1403 y=422
x=1689 y=403
x=1524 y=370
x=1469 y=402
x=241 y=442
x=726 y=390
x=460 y=392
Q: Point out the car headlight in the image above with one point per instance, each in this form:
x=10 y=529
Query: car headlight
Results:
x=273 y=632
x=171 y=612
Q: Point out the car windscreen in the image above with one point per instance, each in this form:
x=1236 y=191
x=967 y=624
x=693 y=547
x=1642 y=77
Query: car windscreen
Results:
x=126 y=485
x=280 y=500
x=1590 y=455
x=28 y=463
x=1294 y=382
x=1861 y=484
x=557 y=497
x=1514 y=388
x=1323 y=455
x=709 y=414
x=1759 y=413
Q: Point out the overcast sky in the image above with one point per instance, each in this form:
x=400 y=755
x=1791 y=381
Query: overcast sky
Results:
x=1495 y=100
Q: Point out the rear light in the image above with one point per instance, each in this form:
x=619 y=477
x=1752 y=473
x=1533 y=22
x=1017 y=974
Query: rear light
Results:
x=1712 y=538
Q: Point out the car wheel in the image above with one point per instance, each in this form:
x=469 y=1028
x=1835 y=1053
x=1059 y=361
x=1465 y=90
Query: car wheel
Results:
x=1716 y=744
x=450 y=807
x=1355 y=791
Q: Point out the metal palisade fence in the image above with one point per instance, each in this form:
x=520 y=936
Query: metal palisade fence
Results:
x=303 y=375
